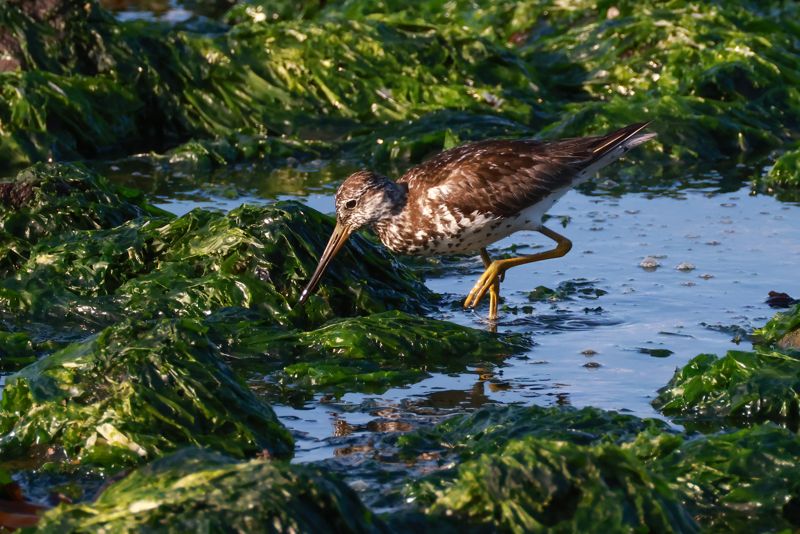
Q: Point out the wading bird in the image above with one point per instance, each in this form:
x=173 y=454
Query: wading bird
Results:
x=466 y=198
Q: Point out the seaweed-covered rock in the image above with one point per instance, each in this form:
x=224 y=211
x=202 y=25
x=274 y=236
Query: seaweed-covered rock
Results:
x=254 y=257
x=201 y=491
x=540 y=485
x=742 y=481
x=133 y=392
x=488 y=429
x=16 y=350
x=54 y=36
x=368 y=353
x=345 y=71
x=46 y=200
x=196 y=159
x=785 y=173
x=742 y=387
x=261 y=258
x=782 y=331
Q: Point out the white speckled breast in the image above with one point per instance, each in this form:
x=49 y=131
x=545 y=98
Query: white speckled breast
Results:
x=441 y=231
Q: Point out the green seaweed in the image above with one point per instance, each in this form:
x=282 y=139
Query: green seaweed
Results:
x=46 y=200
x=778 y=330
x=197 y=490
x=541 y=485
x=261 y=258
x=742 y=481
x=786 y=171
x=488 y=429
x=347 y=70
x=740 y=387
x=387 y=349
x=368 y=354
x=580 y=288
x=202 y=156
x=131 y=393
x=253 y=257
x=16 y=350
x=728 y=481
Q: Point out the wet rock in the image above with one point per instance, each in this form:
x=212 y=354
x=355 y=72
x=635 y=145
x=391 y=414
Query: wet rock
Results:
x=782 y=330
x=650 y=263
x=135 y=391
x=537 y=485
x=48 y=200
x=359 y=354
x=486 y=430
x=790 y=340
x=780 y=300
x=655 y=353
x=568 y=290
x=730 y=479
x=740 y=387
x=200 y=490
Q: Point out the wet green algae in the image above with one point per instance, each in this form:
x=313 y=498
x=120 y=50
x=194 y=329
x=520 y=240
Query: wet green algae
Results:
x=363 y=354
x=130 y=394
x=541 y=485
x=718 y=78
x=742 y=387
x=166 y=301
x=515 y=468
x=784 y=176
x=196 y=490
x=188 y=266
x=705 y=72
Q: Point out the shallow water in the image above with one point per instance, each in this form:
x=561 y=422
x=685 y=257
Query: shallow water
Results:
x=611 y=348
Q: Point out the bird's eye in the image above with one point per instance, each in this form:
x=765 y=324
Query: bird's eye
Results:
x=350 y=204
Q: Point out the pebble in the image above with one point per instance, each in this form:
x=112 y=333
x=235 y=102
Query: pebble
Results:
x=650 y=264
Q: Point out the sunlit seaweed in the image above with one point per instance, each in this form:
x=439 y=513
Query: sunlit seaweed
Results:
x=368 y=353
x=199 y=490
x=741 y=481
x=740 y=388
x=130 y=394
x=542 y=485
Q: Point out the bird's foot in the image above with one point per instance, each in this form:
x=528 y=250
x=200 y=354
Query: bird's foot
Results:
x=489 y=280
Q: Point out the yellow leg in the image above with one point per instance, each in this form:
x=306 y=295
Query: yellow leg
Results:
x=497 y=268
x=494 y=290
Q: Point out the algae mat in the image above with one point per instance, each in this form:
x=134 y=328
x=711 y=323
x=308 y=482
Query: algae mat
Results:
x=147 y=288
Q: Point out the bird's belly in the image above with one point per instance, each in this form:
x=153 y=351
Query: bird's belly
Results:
x=468 y=236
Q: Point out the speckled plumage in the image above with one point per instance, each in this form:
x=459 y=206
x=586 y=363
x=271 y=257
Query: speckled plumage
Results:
x=470 y=196
x=466 y=198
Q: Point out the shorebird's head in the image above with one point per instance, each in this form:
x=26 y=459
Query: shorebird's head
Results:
x=363 y=199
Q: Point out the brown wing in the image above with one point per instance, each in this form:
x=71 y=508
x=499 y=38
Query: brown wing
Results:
x=504 y=177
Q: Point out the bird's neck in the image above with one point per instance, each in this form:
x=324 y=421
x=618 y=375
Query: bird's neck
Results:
x=396 y=202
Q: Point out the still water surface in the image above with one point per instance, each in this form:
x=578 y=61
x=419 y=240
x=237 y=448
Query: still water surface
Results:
x=589 y=349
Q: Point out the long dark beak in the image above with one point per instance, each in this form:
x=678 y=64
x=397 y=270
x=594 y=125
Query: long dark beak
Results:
x=337 y=240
